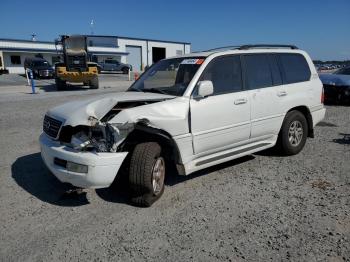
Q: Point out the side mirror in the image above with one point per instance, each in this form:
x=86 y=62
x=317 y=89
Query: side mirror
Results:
x=204 y=89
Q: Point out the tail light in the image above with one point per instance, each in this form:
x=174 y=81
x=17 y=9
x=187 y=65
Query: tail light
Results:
x=322 y=96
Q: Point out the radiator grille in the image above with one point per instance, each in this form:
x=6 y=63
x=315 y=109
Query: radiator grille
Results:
x=51 y=126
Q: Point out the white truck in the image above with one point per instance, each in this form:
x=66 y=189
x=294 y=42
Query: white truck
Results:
x=186 y=113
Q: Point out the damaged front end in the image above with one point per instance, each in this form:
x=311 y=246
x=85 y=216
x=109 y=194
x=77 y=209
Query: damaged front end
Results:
x=101 y=137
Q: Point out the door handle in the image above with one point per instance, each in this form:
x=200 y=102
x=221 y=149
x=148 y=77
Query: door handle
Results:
x=282 y=93
x=240 y=101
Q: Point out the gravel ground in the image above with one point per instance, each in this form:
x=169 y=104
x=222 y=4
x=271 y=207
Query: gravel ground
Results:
x=258 y=208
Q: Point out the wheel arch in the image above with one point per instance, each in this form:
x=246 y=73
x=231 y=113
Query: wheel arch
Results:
x=306 y=112
x=144 y=133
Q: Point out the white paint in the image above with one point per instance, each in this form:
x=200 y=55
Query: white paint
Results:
x=207 y=131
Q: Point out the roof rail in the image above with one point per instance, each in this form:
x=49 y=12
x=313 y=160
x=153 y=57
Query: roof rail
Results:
x=230 y=47
x=245 y=47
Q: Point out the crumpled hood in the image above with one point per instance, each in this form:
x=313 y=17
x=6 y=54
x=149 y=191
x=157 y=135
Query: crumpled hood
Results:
x=82 y=112
x=334 y=79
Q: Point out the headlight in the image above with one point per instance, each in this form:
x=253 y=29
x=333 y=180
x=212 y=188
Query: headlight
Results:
x=77 y=168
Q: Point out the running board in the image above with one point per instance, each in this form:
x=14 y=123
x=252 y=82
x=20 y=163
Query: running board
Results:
x=240 y=151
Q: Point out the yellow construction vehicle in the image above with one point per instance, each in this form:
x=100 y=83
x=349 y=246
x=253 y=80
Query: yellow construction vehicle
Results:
x=75 y=67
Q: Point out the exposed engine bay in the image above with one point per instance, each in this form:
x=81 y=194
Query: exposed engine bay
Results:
x=101 y=136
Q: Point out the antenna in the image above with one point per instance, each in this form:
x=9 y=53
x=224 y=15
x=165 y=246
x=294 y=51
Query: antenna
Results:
x=92 y=26
x=33 y=37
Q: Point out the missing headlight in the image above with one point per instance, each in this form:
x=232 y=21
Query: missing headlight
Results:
x=101 y=138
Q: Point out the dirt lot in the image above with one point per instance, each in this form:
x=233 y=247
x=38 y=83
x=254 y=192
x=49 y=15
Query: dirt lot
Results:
x=258 y=208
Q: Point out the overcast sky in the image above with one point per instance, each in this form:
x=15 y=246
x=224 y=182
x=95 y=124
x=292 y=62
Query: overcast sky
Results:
x=322 y=28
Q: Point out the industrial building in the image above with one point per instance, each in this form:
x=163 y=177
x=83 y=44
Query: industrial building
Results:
x=138 y=52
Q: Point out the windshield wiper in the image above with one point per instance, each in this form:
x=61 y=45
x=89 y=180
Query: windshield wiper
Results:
x=155 y=90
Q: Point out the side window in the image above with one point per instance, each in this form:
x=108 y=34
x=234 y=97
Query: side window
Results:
x=225 y=73
x=295 y=68
x=275 y=70
x=258 y=72
x=15 y=60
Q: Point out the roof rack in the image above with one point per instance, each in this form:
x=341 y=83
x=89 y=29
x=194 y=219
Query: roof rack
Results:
x=230 y=47
x=245 y=47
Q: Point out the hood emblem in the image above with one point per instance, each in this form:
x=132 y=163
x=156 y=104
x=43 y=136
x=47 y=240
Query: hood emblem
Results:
x=46 y=124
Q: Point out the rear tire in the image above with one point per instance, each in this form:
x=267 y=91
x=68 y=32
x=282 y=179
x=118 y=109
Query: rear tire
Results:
x=146 y=174
x=293 y=133
x=60 y=84
x=125 y=70
x=94 y=83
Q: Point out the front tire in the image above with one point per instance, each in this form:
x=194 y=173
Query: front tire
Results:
x=293 y=134
x=146 y=174
x=125 y=70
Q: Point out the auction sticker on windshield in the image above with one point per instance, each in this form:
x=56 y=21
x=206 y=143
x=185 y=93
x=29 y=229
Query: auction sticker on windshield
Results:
x=192 y=61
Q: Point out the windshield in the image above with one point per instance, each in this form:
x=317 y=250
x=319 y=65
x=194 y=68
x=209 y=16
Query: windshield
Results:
x=75 y=43
x=169 y=76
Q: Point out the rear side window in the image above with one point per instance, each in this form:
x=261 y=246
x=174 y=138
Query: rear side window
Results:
x=225 y=73
x=295 y=68
x=258 y=72
x=275 y=70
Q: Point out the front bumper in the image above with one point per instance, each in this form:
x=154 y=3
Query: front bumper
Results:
x=102 y=167
x=76 y=77
x=46 y=73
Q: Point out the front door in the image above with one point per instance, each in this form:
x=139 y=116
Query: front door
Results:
x=221 y=120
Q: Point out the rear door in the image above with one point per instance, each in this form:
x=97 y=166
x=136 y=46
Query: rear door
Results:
x=221 y=120
x=264 y=82
x=298 y=88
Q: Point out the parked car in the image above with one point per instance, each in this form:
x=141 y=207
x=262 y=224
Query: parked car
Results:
x=114 y=65
x=337 y=86
x=186 y=113
x=40 y=67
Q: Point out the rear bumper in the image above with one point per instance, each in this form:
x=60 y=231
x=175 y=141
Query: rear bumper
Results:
x=318 y=115
x=102 y=167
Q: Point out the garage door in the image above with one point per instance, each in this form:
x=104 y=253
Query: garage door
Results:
x=134 y=57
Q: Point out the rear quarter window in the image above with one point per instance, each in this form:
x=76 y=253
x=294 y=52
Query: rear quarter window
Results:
x=295 y=68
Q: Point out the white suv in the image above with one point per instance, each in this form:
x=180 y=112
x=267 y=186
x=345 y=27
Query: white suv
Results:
x=185 y=114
